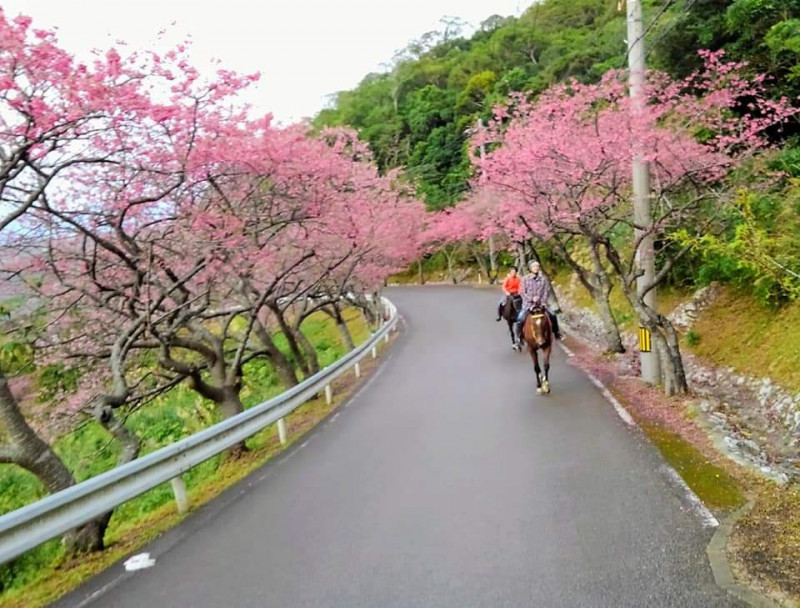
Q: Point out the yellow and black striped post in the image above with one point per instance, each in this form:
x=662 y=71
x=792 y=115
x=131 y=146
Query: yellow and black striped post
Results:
x=645 y=341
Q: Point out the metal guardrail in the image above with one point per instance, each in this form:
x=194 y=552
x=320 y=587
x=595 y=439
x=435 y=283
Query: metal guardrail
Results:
x=28 y=527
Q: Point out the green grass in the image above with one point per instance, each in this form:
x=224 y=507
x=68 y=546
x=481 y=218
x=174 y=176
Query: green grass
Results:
x=713 y=485
x=89 y=451
x=737 y=331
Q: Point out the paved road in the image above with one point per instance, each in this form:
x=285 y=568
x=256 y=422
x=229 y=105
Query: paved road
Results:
x=446 y=482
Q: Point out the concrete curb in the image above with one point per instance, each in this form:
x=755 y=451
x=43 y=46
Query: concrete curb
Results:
x=720 y=566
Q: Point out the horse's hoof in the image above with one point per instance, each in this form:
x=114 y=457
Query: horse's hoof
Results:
x=540 y=391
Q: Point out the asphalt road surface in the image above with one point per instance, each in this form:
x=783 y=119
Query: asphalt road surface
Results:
x=445 y=482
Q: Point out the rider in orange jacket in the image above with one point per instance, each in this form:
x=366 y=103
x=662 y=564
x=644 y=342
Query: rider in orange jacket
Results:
x=511 y=286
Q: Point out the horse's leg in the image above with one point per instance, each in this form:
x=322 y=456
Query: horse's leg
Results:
x=510 y=322
x=546 y=356
x=536 y=368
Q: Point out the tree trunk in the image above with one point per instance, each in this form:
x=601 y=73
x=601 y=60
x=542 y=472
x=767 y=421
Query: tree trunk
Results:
x=673 y=347
x=231 y=405
x=28 y=451
x=492 y=261
x=283 y=367
x=341 y=324
x=597 y=282
x=421 y=276
x=450 y=272
x=292 y=340
x=130 y=445
x=372 y=312
x=601 y=294
x=310 y=352
x=612 y=337
x=482 y=267
x=666 y=340
x=664 y=336
x=522 y=262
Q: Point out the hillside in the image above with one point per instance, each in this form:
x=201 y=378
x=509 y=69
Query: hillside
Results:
x=415 y=115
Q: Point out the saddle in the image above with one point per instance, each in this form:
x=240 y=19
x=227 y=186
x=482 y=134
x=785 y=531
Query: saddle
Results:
x=515 y=300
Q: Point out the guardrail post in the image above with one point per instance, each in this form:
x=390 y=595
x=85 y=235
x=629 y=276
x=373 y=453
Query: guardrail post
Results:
x=282 y=431
x=328 y=394
x=358 y=370
x=386 y=337
x=179 y=490
x=374 y=352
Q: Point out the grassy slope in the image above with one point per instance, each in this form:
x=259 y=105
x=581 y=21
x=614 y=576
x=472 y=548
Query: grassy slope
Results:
x=88 y=452
x=738 y=332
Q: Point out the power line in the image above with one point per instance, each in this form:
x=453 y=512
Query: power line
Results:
x=654 y=22
x=661 y=36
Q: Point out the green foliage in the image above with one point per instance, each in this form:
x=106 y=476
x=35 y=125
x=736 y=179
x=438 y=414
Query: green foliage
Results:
x=692 y=338
x=764 y=33
x=417 y=114
x=54 y=378
x=761 y=249
x=15 y=358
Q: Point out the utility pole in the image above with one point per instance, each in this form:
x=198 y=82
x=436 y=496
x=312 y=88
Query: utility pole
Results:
x=642 y=216
x=492 y=259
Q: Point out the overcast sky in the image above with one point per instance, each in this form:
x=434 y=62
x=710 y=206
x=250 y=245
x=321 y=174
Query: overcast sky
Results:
x=304 y=49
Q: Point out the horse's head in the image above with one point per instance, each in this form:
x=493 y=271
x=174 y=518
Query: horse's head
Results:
x=537 y=328
x=536 y=309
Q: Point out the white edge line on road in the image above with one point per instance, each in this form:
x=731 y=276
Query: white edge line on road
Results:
x=706 y=517
x=566 y=349
x=99 y=592
x=374 y=377
x=623 y=413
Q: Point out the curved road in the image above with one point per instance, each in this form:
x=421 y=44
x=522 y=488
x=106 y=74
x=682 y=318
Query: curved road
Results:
x=445 y=482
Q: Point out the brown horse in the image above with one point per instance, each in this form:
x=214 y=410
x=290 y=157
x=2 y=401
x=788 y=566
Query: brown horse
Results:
x=538 y=335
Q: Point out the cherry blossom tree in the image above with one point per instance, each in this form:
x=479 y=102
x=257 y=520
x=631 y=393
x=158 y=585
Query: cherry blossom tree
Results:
x=561 y=167
x=52 y=109
x=164 y=231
